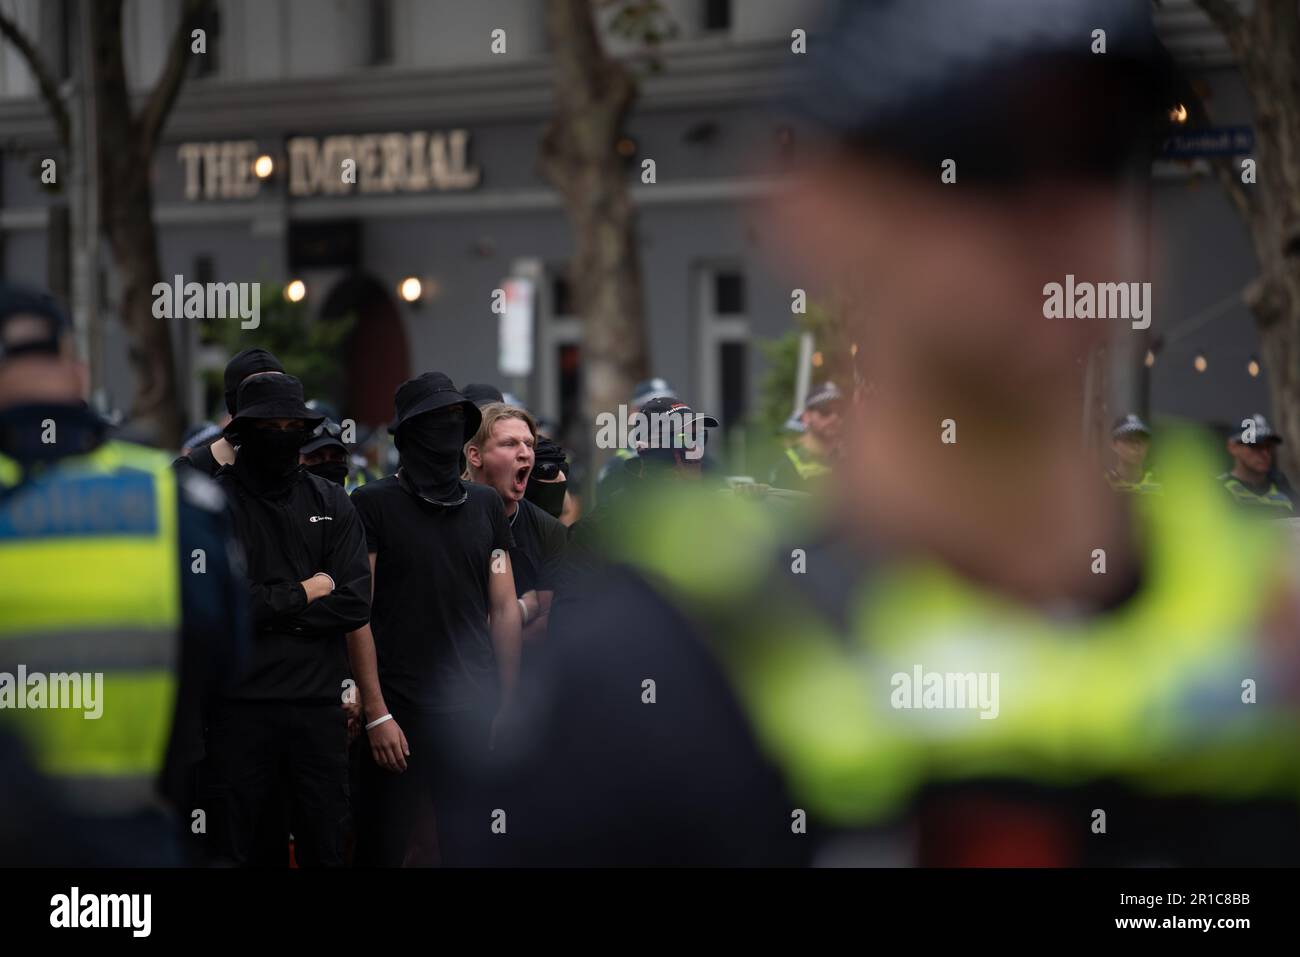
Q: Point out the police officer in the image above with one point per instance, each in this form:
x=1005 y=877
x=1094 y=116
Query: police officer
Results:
x=1130 y=440
x=935 y=669
x=116 y=575
x=1253 y=483
x=613 y=475
x=807 y=460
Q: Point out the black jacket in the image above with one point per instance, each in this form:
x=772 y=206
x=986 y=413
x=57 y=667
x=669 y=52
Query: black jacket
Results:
x=299 y=650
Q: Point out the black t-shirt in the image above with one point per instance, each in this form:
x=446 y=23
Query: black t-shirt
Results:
x=430 y=611
x=200 y=459
x=540 y=539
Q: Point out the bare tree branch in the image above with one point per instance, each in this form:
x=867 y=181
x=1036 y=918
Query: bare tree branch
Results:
x=45 y=81
x=163 y=95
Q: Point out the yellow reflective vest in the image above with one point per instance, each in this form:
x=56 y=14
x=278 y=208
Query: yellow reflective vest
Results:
x=90 y=592
x=1153 y=693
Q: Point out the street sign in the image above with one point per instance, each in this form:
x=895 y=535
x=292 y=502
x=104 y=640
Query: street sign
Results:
x=1213 y=141
x=515 y=355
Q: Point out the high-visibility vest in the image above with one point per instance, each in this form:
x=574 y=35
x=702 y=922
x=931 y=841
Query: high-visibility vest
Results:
x=90 y=584
x=1151 y=693
x=1146 y=485
x=1273 y=497
x=806 y=468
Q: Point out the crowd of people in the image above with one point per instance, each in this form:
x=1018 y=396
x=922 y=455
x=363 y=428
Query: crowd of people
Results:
x=895 y=651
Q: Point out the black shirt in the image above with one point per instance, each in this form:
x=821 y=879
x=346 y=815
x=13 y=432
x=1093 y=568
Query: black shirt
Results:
x=540 y=539
x=299 y=649
x=431 y=604
x=201 y=460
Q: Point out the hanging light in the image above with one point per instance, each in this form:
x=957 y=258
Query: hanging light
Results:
x=1150 y=359
x=1200 y=363
x=817 y=359
x=1253 y=367
x=410 y=289
x=263 y=166
x=296 y=291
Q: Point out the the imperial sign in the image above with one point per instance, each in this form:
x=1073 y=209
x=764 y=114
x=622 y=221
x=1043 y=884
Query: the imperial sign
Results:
x=337 y=165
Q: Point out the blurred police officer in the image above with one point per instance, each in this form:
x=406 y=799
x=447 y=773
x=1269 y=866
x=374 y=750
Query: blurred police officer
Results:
x=807 y=460
x=1130 y=440
x=1253 y=483
x=114 y=567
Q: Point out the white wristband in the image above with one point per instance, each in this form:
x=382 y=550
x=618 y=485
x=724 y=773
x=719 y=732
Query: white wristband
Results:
x=523 y=610
x=379 y=721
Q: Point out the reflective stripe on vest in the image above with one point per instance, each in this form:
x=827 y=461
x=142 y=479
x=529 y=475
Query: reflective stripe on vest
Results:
x=1273 y=498
x=1147 y=485
x=90 y=585
x=1150 y=693
x=808 y=469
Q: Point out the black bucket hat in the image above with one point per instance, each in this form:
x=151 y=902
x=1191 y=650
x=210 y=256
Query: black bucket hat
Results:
x=271 y=395
x=428 y=393
x=327 y=433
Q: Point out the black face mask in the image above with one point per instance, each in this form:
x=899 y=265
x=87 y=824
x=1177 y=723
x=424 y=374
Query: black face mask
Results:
x=431 y=447
x=548 y=496
x=268 y=458
x=336 y=472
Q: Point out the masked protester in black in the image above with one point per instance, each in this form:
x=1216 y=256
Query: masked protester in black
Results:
x=433 y=457
x=208 y=458
x=325 y=455
x=309 y=580
x=446 y=637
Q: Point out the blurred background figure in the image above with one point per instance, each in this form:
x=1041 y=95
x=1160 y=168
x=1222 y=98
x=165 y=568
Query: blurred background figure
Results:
x=1254 y=482
x=809 y=457
x=116 y=573
x=1130 y=440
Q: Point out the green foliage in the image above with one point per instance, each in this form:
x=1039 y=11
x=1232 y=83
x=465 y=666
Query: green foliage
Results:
x=830 y=338
x=644 y=22
x=311 y=349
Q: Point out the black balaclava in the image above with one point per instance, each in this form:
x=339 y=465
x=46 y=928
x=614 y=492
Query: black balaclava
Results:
x=268 y=458
x=431 y=445
x=548 y=462
x=548 y=496
x=244 y=364
x=336 y=472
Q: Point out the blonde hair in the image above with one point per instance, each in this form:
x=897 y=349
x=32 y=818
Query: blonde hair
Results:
x=493 y=413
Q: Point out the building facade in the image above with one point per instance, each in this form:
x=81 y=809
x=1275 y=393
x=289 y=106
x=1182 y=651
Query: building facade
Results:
x=443 y=116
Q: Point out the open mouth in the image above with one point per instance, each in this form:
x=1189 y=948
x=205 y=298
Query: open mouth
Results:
x=520 y=482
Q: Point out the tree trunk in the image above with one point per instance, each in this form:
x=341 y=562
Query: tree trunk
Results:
x=593 y=94
x=1266 y=46
x=126 y=213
